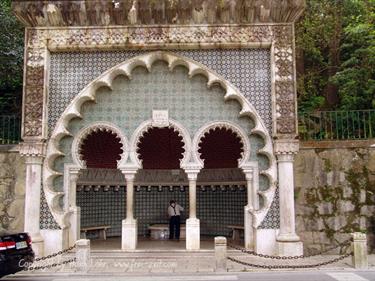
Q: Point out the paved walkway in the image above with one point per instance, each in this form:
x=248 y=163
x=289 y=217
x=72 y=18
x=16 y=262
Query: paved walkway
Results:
x=181 y=262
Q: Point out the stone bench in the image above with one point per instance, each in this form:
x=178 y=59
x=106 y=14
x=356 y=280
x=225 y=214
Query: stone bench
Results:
x=236 y=231
x=102 y=229
x=161 y=231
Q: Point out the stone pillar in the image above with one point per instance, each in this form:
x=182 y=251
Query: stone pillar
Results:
x=288 y=242
x=34 y=154
x=251 y=174
x=75 y=217
x=360 y=259
x=83 y=255
x=129 y=224
x=221 y=254
x=192 y=223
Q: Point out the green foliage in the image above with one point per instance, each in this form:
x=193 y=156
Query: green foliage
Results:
x=11 y=60
x=336 y=44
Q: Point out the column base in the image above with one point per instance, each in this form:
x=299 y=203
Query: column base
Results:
x=75 y=226
x=192 y=234
x=37 y=244
x=129 y=236
x=249 y=232
x=289 y=248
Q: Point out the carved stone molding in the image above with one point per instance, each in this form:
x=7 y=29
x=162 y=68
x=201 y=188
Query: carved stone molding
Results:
x=32 y=149
x=286 y=147
x=124 y=12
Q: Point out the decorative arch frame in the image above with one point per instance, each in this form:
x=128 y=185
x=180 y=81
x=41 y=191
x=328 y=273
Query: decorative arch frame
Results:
x=190 y=159
x=94 y=127
x=245 y=155
x=148 y=124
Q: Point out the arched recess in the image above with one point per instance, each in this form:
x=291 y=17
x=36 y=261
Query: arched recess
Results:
x=130 y=158
x=97 y=127
x=146 y=126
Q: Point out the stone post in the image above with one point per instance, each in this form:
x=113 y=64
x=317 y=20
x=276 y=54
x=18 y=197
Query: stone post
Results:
x=83 y=256
x=75 y=218
x=251 y=174
x=192 y=223
x=34 y=154
x=129 y=236
x=288 y=242
x=359 y=245
x=220 y=254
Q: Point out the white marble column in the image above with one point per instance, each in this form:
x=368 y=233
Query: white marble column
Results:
x=75 y=217
x=34 y=154
x=129 y=236
x=251 y=175
x=288 y=242
x=192 y=223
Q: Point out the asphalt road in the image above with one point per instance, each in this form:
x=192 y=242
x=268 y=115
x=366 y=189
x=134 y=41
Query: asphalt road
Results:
x=259 y=276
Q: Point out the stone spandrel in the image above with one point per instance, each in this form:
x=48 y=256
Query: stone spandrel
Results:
x=129 y=12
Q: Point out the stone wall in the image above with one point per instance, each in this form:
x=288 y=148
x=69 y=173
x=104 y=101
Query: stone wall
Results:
x=12 y=190
x=334 y=195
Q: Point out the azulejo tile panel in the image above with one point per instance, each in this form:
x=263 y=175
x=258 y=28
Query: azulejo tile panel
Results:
x=247 y=69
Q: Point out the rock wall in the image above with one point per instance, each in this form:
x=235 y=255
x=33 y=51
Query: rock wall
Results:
x=12 y=190
x=334 y=196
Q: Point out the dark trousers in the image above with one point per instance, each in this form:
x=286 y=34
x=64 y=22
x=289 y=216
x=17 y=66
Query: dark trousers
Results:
x=174 y=227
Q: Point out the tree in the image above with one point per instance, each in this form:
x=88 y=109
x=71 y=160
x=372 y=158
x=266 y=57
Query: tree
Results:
x=11 y=60
x=335 y=46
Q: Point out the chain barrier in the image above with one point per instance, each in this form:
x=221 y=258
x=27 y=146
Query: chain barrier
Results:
x=253 y=253
x=290 y=266
x=32 y=268
x=55 y=254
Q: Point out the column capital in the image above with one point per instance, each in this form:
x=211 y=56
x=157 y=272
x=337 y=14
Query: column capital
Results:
x=286 y=147
x=129 y=172
x=192 y=171
x=33 y=149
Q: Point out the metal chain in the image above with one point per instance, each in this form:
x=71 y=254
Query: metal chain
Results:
x=243 y=250
x=32 y=268
x=290 y=266
x=55 y=254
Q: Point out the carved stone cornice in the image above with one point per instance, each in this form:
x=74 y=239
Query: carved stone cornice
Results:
x=146 y=12
x=286 y=148
x=32 y=149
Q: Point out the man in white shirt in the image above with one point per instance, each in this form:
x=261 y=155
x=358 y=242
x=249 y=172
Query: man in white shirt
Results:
x=174 y=212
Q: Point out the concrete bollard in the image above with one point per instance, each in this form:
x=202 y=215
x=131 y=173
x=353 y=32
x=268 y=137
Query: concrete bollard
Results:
x=220 y=254
x=83 y=257
x=359 y=245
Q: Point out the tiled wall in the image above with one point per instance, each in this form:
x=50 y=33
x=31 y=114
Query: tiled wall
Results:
x=217 y=206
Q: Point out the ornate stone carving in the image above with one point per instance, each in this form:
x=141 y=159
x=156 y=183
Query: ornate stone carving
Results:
x=33 y=149
x=123 y=12
x=286 y=147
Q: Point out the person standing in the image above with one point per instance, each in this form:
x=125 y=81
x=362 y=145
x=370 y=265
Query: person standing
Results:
x=174 y=212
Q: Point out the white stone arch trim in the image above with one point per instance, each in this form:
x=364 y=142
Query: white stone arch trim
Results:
x=148 y=124
x=94 y=127
x=205 y=129
x=126 y=68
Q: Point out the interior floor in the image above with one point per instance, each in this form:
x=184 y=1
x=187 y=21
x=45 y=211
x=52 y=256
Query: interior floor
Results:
x=147 y=244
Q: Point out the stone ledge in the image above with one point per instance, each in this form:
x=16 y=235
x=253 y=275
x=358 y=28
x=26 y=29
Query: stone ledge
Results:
x=9 y=148
x=338 y=144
